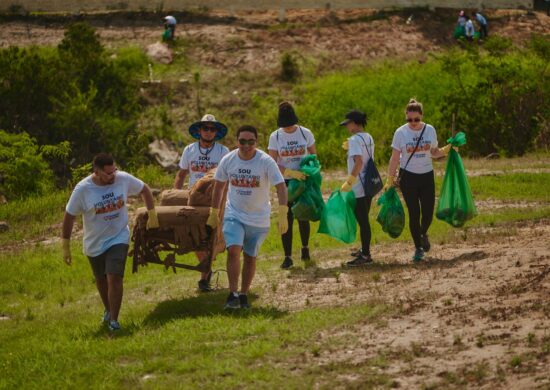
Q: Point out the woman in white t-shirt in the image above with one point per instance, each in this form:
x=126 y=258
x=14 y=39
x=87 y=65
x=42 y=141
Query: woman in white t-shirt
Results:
x=360 y=148
x=414 y=145
x=287 y=146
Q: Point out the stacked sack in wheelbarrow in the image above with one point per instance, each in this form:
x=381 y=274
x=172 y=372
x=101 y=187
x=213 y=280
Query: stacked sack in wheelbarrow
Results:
x=182 y=228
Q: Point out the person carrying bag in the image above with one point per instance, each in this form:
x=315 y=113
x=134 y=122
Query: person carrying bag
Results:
x=414 y=145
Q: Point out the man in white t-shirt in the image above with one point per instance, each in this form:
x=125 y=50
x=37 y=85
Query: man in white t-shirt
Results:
x=101 y=199
x=288 y=145
x=197 y=159
x=250 y=173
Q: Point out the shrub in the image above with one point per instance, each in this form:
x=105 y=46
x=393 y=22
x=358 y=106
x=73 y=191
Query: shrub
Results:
x=289 y=68
x=23 y=170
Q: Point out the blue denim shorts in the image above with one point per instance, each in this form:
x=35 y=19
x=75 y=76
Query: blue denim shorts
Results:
x=249 y=237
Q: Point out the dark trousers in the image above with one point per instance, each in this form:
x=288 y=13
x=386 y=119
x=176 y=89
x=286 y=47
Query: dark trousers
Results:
x=362 y=208
x=483 y=31
x=419 y=194
x=303 y=227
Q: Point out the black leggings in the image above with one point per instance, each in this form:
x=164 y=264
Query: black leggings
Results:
x=287 y=237
x=419 y=194
x=362 y=208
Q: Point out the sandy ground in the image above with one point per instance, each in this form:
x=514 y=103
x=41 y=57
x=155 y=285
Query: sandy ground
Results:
x=460 y=318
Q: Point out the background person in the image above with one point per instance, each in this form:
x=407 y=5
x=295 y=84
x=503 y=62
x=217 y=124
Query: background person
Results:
x=482 y=21
x=247 y=210
x=414 y=144
x=101 y=198
x=170 y=26
x=196 y=160
x=287 y=146
x=360 y=148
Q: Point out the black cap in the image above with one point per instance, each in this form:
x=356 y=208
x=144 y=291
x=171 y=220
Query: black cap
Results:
x=355 y=116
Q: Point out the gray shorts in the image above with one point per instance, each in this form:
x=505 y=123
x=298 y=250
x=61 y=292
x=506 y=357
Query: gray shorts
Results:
x=112 y=261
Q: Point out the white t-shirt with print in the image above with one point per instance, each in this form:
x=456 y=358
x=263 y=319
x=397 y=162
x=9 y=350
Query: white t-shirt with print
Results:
x=249 y=186
x=357 y=146
x=291 y=147
x=198 y=160
x=104 y=211
x=405 y=140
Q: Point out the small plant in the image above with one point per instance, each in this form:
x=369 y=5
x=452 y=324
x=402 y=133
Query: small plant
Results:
x=516 y=361
x=480 y=342
x=447 y=302
x=457 y=340
x=376 y=277
x=289 y=68
x=531 y=338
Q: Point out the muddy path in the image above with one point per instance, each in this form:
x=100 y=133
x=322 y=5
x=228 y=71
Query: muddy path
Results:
x=475 y=314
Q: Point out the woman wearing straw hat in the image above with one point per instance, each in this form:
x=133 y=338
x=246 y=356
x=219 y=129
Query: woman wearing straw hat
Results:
x=287 y=146
x=197 y=159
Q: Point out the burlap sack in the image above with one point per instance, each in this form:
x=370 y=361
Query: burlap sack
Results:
x=174 y=197
x=201 y=193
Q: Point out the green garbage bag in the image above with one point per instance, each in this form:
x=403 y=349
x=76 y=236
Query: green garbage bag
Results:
x=310 y=204
x=391 y=215
x=456 y=203
x=295 y=189
x=459 y=32
x=338 y=218
x=166 y=35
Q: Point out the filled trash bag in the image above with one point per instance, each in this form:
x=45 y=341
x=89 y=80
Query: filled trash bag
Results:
x=310 y=204
x=391 y=215
x=338 y=218
x=456 y=203
x=459 y=32
x=295 y=189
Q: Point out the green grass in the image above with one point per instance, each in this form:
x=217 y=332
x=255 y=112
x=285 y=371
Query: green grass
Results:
x=173 y=337
x=180 y=340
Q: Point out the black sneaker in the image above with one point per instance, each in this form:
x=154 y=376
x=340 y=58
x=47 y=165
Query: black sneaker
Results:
x=418 y=255
x=305 y=254
x=232 y=302
x=360 y=261
x=426 y=243
x=204 y=286
x=287 y=263
x=243 y=300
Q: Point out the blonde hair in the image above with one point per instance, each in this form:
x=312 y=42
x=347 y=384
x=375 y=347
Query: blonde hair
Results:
x=414 y=106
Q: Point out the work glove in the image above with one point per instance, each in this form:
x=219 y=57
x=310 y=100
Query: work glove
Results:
x=283 y=221
x=445 y=150
x=213 y=218
x=152 y=219
x=295 y=174
x=66 y=245
x=390 y=182
x=345 y=145
x=350 y=181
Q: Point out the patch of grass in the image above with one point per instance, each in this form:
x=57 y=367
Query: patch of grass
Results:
x=512 y=187
x=172 y=336
x=33 y=216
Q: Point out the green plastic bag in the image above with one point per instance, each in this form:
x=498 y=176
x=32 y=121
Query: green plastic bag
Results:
x=295 y=189
x=338 y=219
x=456 y=203
x=310 y=204
x=166 y=35
x=391 y=215
x=459 y=32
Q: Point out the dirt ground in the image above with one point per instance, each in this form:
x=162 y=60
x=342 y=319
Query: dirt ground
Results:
x=255 y=40
x=475 y=314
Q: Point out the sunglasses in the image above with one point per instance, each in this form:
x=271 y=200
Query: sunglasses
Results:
x=413 y=119
x=244 y=141
x=209 y=128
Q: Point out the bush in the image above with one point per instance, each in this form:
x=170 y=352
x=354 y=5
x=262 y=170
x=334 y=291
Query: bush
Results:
x=23 y=170
x=75 y=93
x=289 y=68
x=503 y=106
